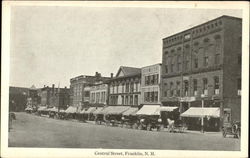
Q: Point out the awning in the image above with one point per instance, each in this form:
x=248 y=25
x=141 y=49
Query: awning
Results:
x=54 y=109
x=130 y=111
x=116 y=110
x=167 y=108
x=61 y=111
x=201 y=112
x=149 y=110
x=97 y=111
x=71 y=109
x=42 y=108
x=107 y=109
x=28 y=108
x=88 y=111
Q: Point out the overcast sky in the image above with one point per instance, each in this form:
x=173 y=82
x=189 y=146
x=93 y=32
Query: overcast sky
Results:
x=53 y=44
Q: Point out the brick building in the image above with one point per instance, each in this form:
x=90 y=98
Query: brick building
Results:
x=80 y=88
x=58 y=97
x=99 y=93
x=150 y=84
x=18 y=98
x=204 y=63
x=124 y=88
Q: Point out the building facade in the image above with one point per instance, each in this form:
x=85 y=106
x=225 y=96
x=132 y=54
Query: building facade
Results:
x=80 y=88
x=150 y=84
x=124 y=88
x=204 y=63
x=18 y=98
x=99 y=93
x=58 y=97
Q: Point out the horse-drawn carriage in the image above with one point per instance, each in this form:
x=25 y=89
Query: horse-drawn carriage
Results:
x=233 y=128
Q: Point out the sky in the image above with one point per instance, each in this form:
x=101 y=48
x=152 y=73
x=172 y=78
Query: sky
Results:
x=50 y=45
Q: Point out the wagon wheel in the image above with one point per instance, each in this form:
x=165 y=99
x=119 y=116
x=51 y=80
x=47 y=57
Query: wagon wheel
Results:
x=238 y=133
x=134 y=126
x=140 y=127
x=224 y=133
x=161 y=128
x=148 y=127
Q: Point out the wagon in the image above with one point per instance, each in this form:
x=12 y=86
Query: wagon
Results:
x=231 y=129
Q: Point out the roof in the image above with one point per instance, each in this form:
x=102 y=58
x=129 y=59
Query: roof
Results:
x=201 y=112
x=127 y=71
x=221 y=17
x=149 y=110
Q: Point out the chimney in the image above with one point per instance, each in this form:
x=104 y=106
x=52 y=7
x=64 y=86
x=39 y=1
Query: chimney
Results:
x=44 y=86
x=96 y=74
x=111 y=75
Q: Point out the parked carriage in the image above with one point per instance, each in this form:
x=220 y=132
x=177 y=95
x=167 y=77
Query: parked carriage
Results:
x=232 y=129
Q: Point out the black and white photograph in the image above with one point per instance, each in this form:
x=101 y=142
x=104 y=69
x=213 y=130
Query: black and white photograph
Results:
x=137 y=79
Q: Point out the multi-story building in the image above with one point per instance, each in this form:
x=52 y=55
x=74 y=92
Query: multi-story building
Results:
x=150 y=84
x=204 y=63
x=124 y=88
x=18 y=98
x=58 y=97
x=80 y=88
x=99 y=93
x=33 y=99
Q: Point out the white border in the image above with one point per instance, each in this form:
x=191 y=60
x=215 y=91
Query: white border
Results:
x=66 y=152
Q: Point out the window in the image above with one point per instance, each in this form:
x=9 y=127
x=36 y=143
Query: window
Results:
x=131 y=87
x=239 y=86
x=217 y=59
x=131 y=100
x=136 y=100
x=166 y=68
x=127 y=87
x=178 y=63
x=196 y=63
x=195 y=87
x=171 y=89
x=165 y=93
x=123 y=85
x=204 y=86
x=126 y=100
x=205 y=61
x=172 y=67
x=152 y=79
x=156 y=96
x=122 y=100
x=186 y=88
x=178 y=92
x=216 y=85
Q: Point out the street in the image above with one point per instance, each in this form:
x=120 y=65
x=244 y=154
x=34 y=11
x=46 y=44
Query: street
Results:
x=29 y=130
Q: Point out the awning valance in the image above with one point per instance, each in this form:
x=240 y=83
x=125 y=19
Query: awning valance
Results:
x=201 y=112
x=116 y=110
x=71 y=109
x=97 y=111
x=88 y=111
x=130 y=111
x=42 y=108
x=149 y=110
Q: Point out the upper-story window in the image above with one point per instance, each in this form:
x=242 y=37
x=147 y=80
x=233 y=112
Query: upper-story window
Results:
x=205 y=61
x=205 y=86
x=132 y=87
x=216 y=85
x=217 y=59
x=239 y=86
x=178 y=87
x=179 y=63
x=171 y=89
x=127 y=88
x=165 y=89
x=166 y=69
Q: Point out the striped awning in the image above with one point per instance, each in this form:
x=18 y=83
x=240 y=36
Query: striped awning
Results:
x=201 y=112
x=116 y=110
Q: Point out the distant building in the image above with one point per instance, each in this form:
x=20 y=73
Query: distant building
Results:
x=58 y=97
x=99 y=93
x=80 y=88
x=150 y=84
x=33 y=99
x=124 y=88
x=204 y=63
x=18 y=98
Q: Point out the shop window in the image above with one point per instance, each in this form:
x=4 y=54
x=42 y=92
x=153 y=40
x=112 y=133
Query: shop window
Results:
x=205 y=87
x=195 y=87
x=186 y=86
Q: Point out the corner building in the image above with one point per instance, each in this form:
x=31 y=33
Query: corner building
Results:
x=204 y=63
